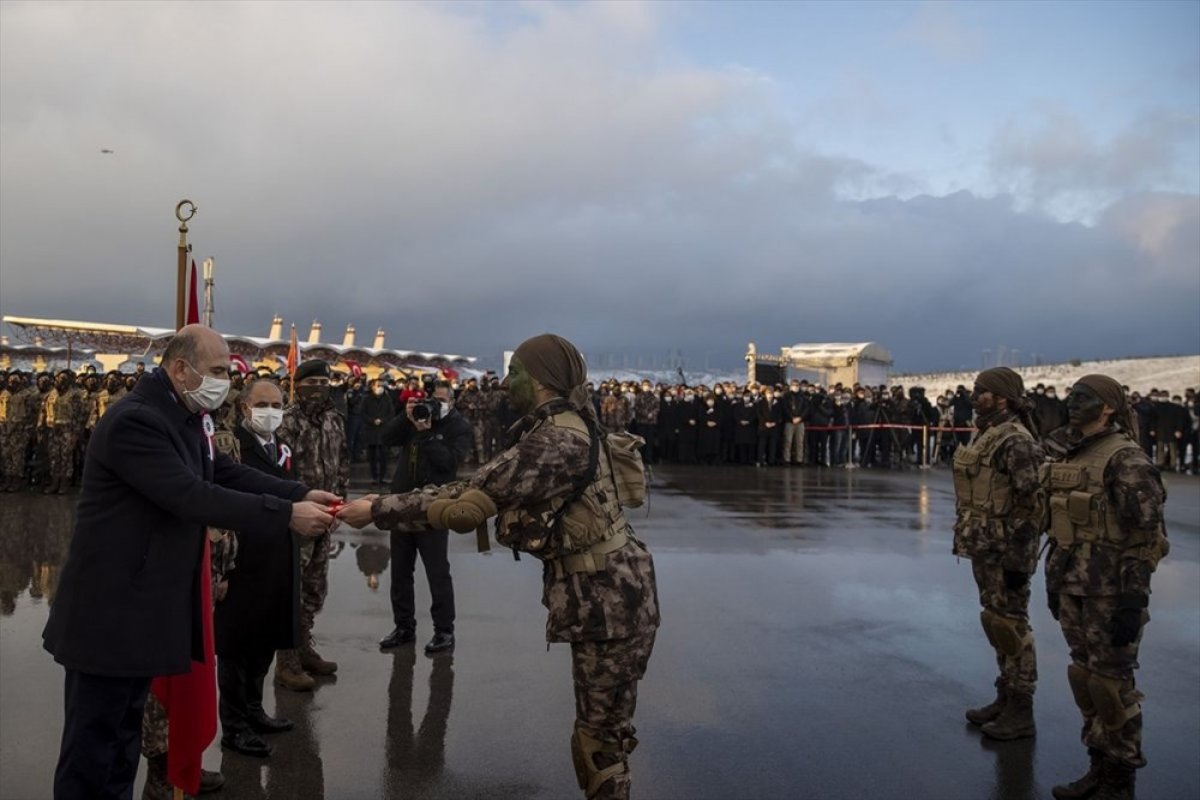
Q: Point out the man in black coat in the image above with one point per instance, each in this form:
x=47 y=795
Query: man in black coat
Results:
x=260 y=612
x=128 y=604
x=435 y=442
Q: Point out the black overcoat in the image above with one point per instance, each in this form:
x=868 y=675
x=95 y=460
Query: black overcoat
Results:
x=128 y=600
x=261 y=609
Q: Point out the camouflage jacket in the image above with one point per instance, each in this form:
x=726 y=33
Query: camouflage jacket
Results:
x=24 y=407
x=1010 y=541
x=319 y=455
x=645 y=408
x=223 y=544
x=616 y=603
x=1135 y=491
x=470 y=404
x=67 y=408
x=615 y=413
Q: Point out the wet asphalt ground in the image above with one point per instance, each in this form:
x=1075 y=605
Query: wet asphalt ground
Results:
x=818 y=641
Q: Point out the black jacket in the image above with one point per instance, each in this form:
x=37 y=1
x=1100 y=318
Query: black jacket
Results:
x=128 y=601
x=430 y=456
x=261 y=610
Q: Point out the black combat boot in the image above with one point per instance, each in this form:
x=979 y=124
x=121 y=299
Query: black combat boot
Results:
x=1085 y=786
x=985 y=714
x=1015 y=721
x=1116 y=781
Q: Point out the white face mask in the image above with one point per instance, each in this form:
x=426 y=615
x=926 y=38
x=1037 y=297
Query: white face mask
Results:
x=445 y=409
x=209 y=395
x=265 y=421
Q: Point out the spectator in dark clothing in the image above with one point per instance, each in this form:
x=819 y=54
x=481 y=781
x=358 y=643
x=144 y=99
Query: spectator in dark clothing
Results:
x=770 y=428
x=689 y=421
x=434 y=444
x=378 y=409
x=355 y=394
x=708 y=434
x=745 y=433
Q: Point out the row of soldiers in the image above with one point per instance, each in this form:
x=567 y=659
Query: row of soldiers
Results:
x=45 y=422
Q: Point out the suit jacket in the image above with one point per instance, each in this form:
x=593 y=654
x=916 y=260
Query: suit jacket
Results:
x=128 y=601
x=261 y=609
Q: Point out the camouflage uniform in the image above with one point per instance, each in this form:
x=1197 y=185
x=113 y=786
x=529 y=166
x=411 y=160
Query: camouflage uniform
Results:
x=1090 y=577
x=17 y=421
x=471 y=405
x=64 y=412
x=489 y=410
x=1001 y=507
x=321 y=460
x=610 y=616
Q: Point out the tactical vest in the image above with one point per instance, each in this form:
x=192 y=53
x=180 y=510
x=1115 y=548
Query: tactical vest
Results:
x=980 y=489
x=59 y=408
x=1080 y=510
x=589 y=527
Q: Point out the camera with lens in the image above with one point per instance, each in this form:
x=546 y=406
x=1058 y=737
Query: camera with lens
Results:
x=428 y=409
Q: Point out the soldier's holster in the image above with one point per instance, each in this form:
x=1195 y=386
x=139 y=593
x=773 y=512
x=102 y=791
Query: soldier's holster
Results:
x=583 y=750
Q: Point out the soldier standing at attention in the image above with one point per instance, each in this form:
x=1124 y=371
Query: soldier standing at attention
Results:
x=63 y=414
x=556 y=497
x=1107 y=536
x=316 y=434
x=1001 y=509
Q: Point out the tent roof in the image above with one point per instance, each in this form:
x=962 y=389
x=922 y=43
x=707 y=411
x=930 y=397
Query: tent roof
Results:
x=836 y=354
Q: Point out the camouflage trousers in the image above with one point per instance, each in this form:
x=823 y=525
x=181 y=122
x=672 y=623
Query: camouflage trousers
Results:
x=314 y=582
x=16 y=444
x=1085 y=625
x=478 y=452
x=606 y=676
x=1019 y=672
x=60 y=450
x=154 y=728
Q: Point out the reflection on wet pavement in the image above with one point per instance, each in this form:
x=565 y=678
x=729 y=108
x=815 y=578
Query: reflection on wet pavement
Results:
x=819 y=641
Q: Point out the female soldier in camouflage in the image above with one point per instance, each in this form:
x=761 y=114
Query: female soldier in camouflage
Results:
x=1107 y=536
x=555 y=496
x=1001 y=509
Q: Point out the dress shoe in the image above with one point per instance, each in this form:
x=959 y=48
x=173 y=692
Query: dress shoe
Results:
x=440 y=642
x=210 y=781
x=396 y=638
x=247 y=743
x=262 y=723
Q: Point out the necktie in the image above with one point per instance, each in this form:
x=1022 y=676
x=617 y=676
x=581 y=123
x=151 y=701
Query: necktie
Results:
x=271 y=452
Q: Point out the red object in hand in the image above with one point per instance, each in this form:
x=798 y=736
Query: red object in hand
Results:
x=333 y=508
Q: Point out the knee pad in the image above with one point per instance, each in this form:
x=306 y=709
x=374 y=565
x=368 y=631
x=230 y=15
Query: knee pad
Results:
x=1077 y=677
x=1001 y=632
x=583 y=750
x=1110 y=706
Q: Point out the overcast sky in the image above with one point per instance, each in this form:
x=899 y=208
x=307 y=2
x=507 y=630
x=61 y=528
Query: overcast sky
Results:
x=639 y=177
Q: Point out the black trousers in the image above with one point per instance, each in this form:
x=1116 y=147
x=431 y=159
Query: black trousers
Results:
x=432 y=546
x=102 y=735
x=240 y=678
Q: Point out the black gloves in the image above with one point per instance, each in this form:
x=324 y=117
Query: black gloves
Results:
x=1014 y=580
x=1053 y=599
x=1126 y=621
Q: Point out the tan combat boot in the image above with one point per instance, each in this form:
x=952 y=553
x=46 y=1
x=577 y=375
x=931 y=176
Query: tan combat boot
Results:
x=985 y=714
x=312 y=662
x=1015 y=721
x=157 y=785
x=289 y=674
x=1085 y=786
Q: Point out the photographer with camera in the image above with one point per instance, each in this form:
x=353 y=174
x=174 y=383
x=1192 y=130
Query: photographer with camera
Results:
x=435 y=440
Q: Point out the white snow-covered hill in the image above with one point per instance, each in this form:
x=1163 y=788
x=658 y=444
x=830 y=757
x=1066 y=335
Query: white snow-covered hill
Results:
x=1174 y=374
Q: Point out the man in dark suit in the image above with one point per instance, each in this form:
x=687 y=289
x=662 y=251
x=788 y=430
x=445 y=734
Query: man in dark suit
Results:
x=128 y=605
x=261 y=609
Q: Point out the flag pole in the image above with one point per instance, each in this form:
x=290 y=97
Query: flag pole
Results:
x=184 y=211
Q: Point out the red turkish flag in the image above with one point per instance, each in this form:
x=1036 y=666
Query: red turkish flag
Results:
x=193 y=303
x=191 y=699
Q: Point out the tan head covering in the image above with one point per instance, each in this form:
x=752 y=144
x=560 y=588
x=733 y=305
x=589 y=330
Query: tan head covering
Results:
x=1003 y=382
x=1113 y=396
x=559 y=366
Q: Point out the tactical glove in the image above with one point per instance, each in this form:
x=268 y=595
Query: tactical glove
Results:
x=1053 y=601
x=1126 y=621
x=1014 y=580
x=465 y=514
